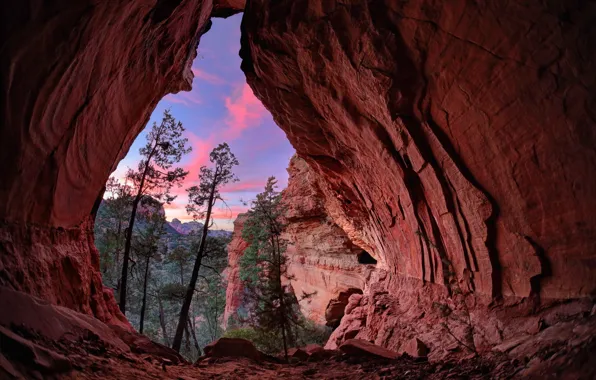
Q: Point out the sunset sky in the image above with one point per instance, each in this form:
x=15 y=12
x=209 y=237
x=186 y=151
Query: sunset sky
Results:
x=222 y=108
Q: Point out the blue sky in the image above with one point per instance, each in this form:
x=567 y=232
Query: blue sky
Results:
x=222 y=108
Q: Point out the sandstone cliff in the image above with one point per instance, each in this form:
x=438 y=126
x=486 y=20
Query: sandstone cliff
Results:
x=235 y=289
x=454 y=142
x=322 y=259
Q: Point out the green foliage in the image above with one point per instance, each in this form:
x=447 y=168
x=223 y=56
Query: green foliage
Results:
x=263 y=269
x=270 y=342
x=171 y=256
x=173 y=292
x=165 y=147
x=207 y=193
x=312 y=333
x=110 y=226
x=153 y=179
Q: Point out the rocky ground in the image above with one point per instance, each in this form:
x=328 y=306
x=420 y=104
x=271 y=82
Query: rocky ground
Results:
x=43 y=341
x=91 y=358
x=555 y=363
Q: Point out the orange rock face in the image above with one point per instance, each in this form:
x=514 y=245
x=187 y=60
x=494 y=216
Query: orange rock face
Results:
x=452 y=136
x=235 y=289
x=451 y=141
x=322 y=259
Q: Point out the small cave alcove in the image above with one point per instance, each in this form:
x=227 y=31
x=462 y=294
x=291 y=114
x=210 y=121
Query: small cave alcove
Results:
x=365 y=258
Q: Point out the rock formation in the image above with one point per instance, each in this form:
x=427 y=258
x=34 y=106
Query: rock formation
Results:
x=235 y=289
x=323 y=261
x=322 y=258
x=79 y=83
x=451 y=141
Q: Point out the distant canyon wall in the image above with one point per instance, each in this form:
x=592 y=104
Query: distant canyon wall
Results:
x=322 y=260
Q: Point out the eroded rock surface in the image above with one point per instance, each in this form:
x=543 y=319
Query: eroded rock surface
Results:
x=45 y=341
x=452 y=142
x=322 y=259
x=455 y=140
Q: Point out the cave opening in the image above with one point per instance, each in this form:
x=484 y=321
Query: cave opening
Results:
x=220 y=108
x=366 y=258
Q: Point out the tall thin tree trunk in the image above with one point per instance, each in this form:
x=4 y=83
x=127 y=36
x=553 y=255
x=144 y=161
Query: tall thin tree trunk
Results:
x=127 y=243
x=144 y=304
x=195 y=274
x=117 y=253
x=282 y=305
x=162 y=322
x=126 y=258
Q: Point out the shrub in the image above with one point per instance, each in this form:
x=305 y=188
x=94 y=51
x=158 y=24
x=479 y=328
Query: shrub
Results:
x=270 y=342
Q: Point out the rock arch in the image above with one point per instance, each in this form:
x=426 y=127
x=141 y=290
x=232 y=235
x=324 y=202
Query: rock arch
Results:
x=452 y=138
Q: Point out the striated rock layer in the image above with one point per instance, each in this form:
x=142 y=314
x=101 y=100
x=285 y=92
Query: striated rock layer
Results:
x=454 y=142
x=322 y=259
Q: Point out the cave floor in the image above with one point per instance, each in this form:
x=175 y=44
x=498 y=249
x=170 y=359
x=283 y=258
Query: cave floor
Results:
x=43 y=341
x=556 y=362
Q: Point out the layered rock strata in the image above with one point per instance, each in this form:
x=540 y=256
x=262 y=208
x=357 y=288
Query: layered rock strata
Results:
x=454 y=142
x=323 y=260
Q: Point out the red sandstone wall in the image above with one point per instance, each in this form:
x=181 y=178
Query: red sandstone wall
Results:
x=322 y=258
x=449 y=133
x=443 y=134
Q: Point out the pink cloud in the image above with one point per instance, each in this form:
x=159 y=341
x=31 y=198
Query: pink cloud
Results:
x=207 y=77
x=200 y=153
x=244 y=111
x=248 y=185
x=228 y=213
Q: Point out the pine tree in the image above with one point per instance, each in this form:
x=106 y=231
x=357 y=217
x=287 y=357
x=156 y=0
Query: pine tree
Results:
x=263 y=268
x=154 y=177
x=202 y=199
x=110 y=227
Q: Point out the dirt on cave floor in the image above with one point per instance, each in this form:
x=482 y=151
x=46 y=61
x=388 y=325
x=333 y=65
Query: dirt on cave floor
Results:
x=43 y=341
x=90 y=359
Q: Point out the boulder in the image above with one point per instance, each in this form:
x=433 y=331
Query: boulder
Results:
x=317 y=352
x=233 y=347
x=140 y=344
x=298 y=354
x=31 y=355
x=359 y=347
x=415 y=348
